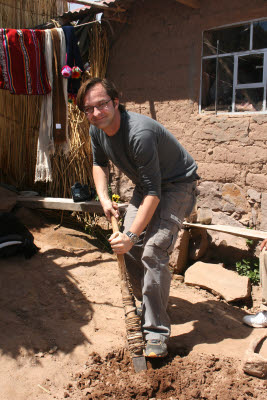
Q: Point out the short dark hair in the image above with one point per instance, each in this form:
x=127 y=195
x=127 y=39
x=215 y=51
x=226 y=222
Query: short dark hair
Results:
x=87 y=85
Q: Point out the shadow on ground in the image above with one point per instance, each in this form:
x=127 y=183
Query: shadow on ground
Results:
x=212 y=322
x=41 y=305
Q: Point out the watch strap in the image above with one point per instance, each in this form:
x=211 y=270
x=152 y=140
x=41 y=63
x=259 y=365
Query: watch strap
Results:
x=132 y=236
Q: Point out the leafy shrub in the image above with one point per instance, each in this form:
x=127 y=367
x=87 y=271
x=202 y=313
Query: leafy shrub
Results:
x=249 y=268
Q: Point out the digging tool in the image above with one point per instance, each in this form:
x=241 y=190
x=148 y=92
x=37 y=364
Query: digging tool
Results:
x=132 y=320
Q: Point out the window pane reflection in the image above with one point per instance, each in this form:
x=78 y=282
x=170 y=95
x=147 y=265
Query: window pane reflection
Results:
x=224 y=84
x=249 y=100
x=250 y=68
x=231 y=40
x=260 y=35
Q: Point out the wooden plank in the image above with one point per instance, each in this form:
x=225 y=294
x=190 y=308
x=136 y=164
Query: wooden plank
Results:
x=232 y=230
x=190 y=3
x=88 y=3
x=54 y=203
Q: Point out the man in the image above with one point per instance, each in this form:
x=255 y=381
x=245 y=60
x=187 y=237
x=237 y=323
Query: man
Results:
x=259 y=320
x=165 y=177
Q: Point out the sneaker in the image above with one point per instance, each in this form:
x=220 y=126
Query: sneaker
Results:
x=258 y=320
x=156 y=348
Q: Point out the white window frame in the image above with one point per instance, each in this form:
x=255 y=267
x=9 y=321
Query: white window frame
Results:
x=236 y=55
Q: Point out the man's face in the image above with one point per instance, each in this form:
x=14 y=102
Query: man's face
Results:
x=99 y=108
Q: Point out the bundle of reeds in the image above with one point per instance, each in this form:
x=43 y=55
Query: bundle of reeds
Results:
x=77 y=166
x=98 y=50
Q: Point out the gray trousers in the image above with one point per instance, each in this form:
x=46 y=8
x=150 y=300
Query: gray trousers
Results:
x=147 y=262
x=263 y=278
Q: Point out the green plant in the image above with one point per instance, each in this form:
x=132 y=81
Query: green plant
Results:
x=249 y=268
x=251 y=243
x=109 y=194
x=99 y=233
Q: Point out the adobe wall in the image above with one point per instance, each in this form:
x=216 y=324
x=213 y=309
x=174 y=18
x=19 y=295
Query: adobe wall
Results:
x=155 y=61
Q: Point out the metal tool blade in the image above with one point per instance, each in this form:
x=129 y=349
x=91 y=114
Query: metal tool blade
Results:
x=139 y=363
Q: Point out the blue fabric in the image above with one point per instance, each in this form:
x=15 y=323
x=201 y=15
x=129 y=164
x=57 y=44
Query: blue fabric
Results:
x=73 y=57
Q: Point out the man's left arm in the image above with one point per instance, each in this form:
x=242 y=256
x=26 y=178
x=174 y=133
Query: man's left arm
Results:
x=120 y=242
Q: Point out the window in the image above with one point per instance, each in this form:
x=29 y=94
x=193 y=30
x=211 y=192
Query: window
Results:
x=234 y=68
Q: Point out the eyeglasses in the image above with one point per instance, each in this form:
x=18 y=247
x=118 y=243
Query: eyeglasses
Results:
x=101 y=106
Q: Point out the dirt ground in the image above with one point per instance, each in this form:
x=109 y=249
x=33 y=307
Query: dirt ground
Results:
x=62 y=330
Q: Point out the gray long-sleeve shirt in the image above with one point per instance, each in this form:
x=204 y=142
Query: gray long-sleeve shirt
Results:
x=144 y=151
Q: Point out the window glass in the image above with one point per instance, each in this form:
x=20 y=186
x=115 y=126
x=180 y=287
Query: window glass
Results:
x=232 y=39
x=208 y=82
x=224 y=84
x=250 y=68
x=260 y=35
x=249 y=99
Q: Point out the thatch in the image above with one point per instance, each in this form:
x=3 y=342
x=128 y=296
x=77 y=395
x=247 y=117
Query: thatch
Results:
x=20 y=115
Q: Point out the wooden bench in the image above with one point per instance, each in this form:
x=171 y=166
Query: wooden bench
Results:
x=232 y=230
x=54 y=203
x=93 y=206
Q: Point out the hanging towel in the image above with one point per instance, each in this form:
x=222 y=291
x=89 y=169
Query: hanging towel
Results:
x=22 y=62
x=60 y=103
x=45 y=146
x=73 y=58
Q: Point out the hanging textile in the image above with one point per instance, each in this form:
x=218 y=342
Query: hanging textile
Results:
x=45 y=146
x=60 y=96
x=74 y=65
x=22 y=62
x=53 y=130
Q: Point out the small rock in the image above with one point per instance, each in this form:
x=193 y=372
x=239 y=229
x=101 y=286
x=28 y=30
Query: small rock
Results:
x=40 y=354
x=53 y=350
x=204 y=216
x=254 y=195
x=177 y=277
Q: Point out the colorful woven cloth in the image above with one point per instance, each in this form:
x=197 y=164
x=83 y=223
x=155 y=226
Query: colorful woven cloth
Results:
x=22 y=62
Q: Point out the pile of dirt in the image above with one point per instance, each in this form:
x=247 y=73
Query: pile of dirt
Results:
x=196 y=376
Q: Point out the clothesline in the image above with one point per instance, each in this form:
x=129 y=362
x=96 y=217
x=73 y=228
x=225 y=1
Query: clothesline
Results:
x=86 y=23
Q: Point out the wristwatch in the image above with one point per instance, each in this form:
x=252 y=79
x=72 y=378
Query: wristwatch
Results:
x=133 y=237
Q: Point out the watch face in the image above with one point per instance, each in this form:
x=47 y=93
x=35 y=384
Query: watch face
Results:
x=134 y=238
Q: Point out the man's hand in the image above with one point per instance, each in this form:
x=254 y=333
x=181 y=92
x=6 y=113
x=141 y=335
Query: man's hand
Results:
x=264 y=245
x=120 y=243
x=110 y=208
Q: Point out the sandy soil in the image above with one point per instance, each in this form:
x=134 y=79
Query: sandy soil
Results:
x=62 y=330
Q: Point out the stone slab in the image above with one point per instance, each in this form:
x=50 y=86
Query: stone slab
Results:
x=214 y=277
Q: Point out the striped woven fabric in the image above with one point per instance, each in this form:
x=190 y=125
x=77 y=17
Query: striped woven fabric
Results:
x=22 y=62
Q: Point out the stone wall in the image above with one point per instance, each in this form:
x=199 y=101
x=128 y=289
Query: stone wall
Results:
x=155 y=61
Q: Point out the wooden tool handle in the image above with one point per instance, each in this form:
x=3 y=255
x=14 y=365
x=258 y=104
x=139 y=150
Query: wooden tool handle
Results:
x=122 y=271
x=114 y=222
x=132 y=321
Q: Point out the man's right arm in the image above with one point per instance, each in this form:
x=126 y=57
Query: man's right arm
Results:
x=100 y=175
